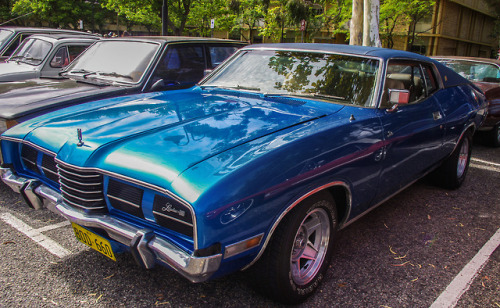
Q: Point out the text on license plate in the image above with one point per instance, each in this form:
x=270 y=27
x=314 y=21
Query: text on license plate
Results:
x=94 y=241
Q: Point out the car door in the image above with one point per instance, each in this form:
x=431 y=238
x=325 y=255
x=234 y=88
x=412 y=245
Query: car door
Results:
x=413 y=131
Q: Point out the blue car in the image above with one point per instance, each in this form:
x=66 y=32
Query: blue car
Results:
x=257 y=167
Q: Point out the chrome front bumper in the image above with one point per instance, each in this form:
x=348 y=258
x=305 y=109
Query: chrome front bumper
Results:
x=147 y=247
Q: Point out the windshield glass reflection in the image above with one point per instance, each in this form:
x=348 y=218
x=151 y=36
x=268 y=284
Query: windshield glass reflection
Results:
x=331 y=77
x=4 y=35
x=475 y=71
x=31 y=51
x=123 y=61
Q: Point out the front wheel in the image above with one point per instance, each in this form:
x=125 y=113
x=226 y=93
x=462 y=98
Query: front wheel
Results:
x=299 y=252
x=452 y=172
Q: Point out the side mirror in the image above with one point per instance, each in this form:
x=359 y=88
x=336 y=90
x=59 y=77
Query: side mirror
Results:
x=398 y=97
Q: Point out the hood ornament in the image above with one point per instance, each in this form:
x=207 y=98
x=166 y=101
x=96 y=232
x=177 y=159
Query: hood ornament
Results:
x=80 y=137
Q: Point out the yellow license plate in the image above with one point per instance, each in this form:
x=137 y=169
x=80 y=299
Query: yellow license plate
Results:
x=94 y=241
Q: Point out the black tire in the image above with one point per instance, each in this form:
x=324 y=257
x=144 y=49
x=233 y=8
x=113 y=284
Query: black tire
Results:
x=494 y=136
x=285 y=272
x=451 y=174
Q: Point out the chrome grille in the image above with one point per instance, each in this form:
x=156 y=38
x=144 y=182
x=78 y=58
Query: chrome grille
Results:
x=81 y=188
x=125 y=197
x=49 y=168
x=29 y=157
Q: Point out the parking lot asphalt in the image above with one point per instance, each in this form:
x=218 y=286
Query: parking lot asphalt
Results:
x=405 y=253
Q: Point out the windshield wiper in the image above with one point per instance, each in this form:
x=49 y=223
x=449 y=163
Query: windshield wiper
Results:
x=337 y=98
x=115 y=74
x=16 y=57
x=80 y=71
x=237 y=87
x=22 y=59
x=319 y=95
x=33 y=59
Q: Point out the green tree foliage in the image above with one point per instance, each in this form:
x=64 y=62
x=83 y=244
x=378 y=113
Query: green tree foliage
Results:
x=276 y=20
x=6 y=12
x=62 y=13
x=392 y=13
x=203 y=11
x=406 y=13
x=148 y=12
x=417 y=10
x=248 y=14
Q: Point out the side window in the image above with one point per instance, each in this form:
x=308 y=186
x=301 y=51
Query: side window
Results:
x=220 y=53
x=61 y=58
x=404 y=76
x=15 y=43
x=181 y=65
x=430 y=80
x=75 y=50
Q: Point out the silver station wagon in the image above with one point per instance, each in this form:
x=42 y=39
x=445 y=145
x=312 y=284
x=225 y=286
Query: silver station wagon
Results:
x=43 y=55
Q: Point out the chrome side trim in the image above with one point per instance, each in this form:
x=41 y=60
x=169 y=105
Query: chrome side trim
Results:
x=173 y=218
x=49 y=171
x=79 y=183
x=22 y=141
x=84 y=192
x=124 y=201
x=82 y=199
x=27 y=160
x=293 y=205
x=83 y=207
x=78 y=175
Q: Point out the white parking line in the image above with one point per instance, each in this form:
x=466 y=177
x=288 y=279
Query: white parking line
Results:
x=54 y=226
x=36 y=234
x=483 y=167
x=462 y=282
x=484 y=162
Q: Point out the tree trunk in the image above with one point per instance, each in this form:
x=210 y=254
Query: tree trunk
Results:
x=356 y=29
x=371 y=35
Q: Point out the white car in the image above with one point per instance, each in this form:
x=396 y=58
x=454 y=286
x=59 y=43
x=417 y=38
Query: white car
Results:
x=43 y=55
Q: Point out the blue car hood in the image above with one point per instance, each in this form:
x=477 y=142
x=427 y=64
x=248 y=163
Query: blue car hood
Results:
x=160 y=135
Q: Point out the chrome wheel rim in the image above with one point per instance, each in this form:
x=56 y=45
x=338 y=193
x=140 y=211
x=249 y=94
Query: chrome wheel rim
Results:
x=463 y=158
x=310 y=246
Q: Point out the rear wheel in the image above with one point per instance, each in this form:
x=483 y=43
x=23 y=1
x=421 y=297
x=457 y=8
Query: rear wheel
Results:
x=494 y=136
x=452 y=172
x=298 y=255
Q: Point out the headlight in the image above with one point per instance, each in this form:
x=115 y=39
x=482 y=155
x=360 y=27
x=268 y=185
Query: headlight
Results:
x=6 y=124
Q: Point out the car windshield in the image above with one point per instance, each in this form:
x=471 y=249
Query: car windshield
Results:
x=4 y=37
x=475 y=71
x=124 y=61
x=31 y=51
x=330 y=77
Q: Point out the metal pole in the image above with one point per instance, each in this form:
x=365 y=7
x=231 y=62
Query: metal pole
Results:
x=164 y=18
